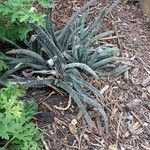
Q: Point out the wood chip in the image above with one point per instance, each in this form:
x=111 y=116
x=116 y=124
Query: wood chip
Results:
x=133 y=104
x=135 y=71
x=112 y=147
x=72 y=126
x=86 y=137
x=146 y=81
x=135 y=128
x=105 y=88
x=148 y=89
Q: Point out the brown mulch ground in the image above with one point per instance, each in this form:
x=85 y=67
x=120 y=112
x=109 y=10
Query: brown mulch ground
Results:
x=127 y=95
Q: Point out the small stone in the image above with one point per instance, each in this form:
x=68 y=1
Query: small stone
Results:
x=74 y=122
x=145 y=124
x=72 y=126
x=133 y=104
x=146 y=81
x=134 y=39
x=125 y=24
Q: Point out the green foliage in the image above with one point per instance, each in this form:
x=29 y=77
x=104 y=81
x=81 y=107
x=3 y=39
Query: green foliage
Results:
x=69 y=57
x=13 y=31
x=46 y=3
x=14 y=14
x=16 y=132
x=24 y=10
x=3 y=65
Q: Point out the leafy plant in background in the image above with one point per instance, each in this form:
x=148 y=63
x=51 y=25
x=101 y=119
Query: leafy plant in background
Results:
x=3 y=65
x=69 y=57
x=16 y=132
x=14 y=14
x=12 y=31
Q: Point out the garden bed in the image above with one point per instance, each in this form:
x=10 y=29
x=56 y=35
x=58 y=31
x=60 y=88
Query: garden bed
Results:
x=129 y=123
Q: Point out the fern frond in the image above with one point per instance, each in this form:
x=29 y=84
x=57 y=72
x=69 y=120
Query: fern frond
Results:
x=3 y=65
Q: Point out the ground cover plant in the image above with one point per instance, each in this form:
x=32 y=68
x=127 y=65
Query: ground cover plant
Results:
x=13 y=14
x=16 y=130
x=68 y=57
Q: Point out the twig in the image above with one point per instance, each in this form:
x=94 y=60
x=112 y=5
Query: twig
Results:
x=73 y=147
x=80 y=138
x=145 y=147
x=118 y=128
x=98 y=125
x=65 y=108
x=95 y=144
x=116 y=31
x=47 y=106
x=60 y=122
x=105 y=88
x=136 y=117
x=147 y=70
x=113 y=37
x=49 y=95
x=57 y=89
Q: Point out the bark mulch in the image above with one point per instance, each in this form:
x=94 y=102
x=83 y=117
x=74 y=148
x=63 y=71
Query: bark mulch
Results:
x=127 y=95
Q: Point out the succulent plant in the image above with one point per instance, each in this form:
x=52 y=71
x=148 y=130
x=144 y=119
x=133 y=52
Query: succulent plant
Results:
x=68 y=56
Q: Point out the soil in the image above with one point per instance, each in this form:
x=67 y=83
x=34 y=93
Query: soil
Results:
x=127 y=95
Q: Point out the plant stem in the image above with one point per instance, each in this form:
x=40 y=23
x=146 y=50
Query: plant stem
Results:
x=9 y=142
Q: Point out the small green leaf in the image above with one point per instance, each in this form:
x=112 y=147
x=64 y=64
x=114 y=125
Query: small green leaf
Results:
x=3 y=65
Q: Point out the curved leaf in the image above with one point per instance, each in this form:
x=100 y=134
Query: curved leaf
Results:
x=81 y=66
x=29 y=54
x=108 y=60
